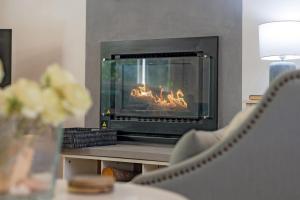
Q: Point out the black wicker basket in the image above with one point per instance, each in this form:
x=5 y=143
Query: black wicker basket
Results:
x=88 y=137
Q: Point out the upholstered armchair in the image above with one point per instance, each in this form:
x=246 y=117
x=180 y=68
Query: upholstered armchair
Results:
x=256 y=158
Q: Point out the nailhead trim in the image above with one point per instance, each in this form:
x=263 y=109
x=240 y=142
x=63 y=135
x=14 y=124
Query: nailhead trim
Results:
x=281 y=83
x=273 y=94
x=264 y=104
x=230 y=144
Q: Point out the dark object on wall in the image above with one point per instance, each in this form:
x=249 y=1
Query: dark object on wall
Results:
x=5 y=54
x=158 y=89
x=88 y=137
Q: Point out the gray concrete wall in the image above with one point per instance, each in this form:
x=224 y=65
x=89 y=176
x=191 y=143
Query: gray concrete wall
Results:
x=149 y=19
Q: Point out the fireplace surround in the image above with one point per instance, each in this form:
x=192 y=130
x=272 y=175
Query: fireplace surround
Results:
x=156 y=90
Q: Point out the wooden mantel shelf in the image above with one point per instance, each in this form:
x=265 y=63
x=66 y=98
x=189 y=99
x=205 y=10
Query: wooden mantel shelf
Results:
x=136 y=151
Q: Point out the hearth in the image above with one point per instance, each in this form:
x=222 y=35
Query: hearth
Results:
x=158 y=89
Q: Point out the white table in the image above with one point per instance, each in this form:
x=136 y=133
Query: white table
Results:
x=122 y=191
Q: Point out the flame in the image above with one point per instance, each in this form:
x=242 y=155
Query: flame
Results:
x=170 y=100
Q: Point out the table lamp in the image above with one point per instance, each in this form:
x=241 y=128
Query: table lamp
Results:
x=279 y=42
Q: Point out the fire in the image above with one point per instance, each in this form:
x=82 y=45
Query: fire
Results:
x=170 y=100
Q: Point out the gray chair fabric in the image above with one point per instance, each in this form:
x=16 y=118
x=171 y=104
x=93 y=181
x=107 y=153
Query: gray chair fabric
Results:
x=197 y=142
x=258 y=160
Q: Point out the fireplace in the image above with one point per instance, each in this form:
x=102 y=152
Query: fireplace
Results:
x=158 y=89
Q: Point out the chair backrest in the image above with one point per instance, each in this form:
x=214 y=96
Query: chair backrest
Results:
x=260 y=160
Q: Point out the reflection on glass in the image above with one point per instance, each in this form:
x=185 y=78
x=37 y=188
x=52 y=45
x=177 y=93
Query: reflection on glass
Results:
x=166 y=87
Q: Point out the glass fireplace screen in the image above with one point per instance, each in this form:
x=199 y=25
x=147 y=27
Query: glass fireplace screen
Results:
x=156 y=87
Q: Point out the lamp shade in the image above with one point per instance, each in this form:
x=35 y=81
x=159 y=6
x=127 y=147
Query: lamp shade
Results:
x=279 y=40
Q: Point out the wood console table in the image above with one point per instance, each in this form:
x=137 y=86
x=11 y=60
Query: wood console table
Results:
x=129 y=156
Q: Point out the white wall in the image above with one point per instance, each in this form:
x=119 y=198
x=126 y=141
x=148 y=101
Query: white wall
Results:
x=255 y=71
x=46 y=32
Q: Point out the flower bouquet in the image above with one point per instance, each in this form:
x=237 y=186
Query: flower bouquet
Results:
x=31 y=117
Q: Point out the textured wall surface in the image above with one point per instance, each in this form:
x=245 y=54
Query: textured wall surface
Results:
x=144 y=19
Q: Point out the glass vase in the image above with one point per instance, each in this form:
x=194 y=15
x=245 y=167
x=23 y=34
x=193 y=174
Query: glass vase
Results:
x=29 y=154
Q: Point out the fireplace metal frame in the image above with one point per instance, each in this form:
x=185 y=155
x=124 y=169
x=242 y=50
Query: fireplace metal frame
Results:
x=167 y=130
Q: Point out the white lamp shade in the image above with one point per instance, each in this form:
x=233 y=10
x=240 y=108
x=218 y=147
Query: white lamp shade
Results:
x=279 y=40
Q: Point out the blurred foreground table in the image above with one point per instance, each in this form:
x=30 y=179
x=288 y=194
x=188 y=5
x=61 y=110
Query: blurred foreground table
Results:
x=122 y=191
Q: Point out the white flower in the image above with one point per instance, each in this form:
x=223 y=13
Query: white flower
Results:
x=56 y=77
x=22 y=98
x=3 y=103
x=1 y=71
x=53 y=112
x=7 y=106
x=76 y=99
x=58 y=98
x=29 y=95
